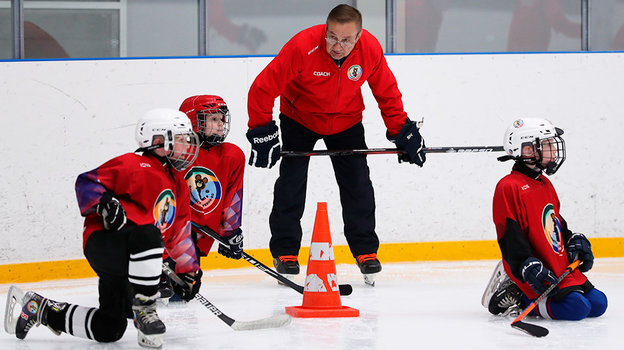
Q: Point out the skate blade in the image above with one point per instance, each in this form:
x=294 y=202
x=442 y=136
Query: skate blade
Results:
x=492 y=286
x=150 y=341
x=369 y=278
x=14 y=298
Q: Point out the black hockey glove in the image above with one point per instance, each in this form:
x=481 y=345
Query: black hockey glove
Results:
x=537 y=276
x=235 y=248
x=192 y=282
x=113 y=214
x=578 y=247
x=410 y=140
x=265 y=145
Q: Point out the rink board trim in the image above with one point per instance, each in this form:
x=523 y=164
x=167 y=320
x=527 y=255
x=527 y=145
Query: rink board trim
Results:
x=389 y=252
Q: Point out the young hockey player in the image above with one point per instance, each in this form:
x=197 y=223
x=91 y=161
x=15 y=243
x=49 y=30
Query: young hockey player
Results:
x=134 y=205
x=215 y=179
x=534 y=239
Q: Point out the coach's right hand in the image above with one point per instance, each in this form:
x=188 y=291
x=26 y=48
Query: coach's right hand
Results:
x=265 y=145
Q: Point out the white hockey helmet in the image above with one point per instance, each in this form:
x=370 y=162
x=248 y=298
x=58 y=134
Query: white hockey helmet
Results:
x=534 y=132
x=169 y=129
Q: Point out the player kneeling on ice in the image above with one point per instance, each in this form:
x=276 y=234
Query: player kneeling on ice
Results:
x=135 y=206
x=215 y=181
x=534 y=239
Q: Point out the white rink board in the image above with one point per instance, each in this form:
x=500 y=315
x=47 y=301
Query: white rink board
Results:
x=61 y=118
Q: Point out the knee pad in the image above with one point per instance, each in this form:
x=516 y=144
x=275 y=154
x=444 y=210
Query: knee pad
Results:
x=108 y=329
x=573 y=307
x=144 y=237
x=598 y=301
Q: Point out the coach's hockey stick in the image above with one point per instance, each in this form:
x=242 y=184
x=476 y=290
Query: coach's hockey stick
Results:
x=350 y=152
x=269 y=322
x=345 y=289
x=535 y=330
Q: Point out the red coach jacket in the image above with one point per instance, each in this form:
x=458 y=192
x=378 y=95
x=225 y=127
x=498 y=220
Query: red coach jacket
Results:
x=318 y=94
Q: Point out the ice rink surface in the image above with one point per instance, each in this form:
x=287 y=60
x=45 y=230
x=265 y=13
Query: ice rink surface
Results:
x=423 y=305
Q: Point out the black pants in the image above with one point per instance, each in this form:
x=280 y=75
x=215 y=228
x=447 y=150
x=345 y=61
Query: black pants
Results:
x=108 y=254
x=352 y=175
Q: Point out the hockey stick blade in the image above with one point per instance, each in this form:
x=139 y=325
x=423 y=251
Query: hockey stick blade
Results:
x=531 y=329
x=268 y=322
x=15 y=298
x=345 y=289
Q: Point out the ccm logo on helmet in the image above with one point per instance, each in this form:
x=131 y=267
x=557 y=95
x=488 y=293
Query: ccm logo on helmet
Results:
x=266 y=138
x=321 y=74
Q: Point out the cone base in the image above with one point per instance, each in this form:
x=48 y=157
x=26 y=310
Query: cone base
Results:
x=340 y=311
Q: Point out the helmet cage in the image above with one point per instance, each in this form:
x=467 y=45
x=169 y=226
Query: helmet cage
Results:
x=555 y=145
x=182 y=149
x=206 y=130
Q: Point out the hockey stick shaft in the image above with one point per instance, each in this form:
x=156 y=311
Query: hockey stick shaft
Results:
x=350 y=152
x=345 y=289
x=269 y=322
x=541 y=331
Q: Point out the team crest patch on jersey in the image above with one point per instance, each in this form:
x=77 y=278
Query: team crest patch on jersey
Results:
x=552 y=228
x=164 y=210
x=354 y=72
x=206 y=189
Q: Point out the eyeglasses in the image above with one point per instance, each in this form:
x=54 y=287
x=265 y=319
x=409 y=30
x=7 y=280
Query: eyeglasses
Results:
x=345 y=44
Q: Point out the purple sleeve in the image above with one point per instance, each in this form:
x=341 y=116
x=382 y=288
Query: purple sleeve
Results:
x=182 y=250
x=88 y=191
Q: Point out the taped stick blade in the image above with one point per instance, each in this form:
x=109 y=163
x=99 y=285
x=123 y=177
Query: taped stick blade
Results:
x=269 y=322
x=530 y=329
x=345 y=289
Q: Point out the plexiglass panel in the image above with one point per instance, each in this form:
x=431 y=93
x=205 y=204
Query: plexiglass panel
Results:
x=488 y=25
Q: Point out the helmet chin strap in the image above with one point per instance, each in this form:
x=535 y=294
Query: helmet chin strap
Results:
x=149 y=149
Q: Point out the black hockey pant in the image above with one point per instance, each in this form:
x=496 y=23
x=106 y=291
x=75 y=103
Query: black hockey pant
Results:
x=108 y=254
x=352 y=175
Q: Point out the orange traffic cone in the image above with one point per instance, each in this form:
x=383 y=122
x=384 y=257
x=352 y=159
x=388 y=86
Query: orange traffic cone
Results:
x=321 y=295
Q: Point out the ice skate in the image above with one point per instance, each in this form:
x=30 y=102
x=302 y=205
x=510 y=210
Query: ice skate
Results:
x=287 y=266
x=34 y=312
x=498 y=276
x=502 y=296
x=369 y=266
x=149 y=326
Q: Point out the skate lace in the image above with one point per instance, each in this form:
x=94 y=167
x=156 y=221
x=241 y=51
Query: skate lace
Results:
x=366 y=257
x=148 y=315
x=507 y=301
x=285 y=258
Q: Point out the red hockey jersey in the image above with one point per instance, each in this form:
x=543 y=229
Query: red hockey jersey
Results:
x=526 y=210
x=215 y=181
x=150 y=193
x=318 y=94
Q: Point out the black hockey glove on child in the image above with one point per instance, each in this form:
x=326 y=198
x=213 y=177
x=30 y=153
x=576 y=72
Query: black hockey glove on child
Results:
x=234 y=250
x=265 y=145
x=410 y=140
x=578 y=247
x=113 y=214
x=537 y=276
x=192 y=282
